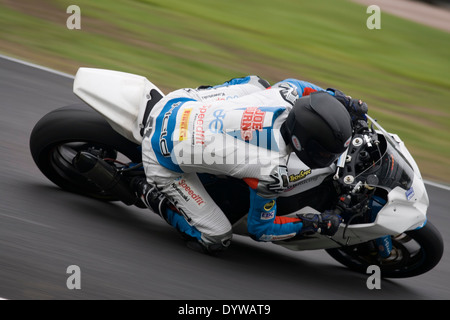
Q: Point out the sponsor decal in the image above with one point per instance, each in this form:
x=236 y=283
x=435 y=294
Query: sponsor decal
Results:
x=165 y=123
x=187 y=193
x=216 y=126
x=301 y=175
x=410 y=193
x=269 y=205
x=199 y=132
x=252 y=119
x=347 y=143
x=214 y=96
x=267 y=215
x=302 y=182
x=184 y=124
x=220 y=96
x=296 y=143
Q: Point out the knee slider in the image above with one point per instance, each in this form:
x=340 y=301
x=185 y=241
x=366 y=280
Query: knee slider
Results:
x=217 y=243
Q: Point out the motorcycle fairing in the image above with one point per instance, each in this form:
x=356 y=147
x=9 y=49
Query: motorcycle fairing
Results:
x=121 y=98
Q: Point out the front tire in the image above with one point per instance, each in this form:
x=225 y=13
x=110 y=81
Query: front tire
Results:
x=415 y=252
x=62 y=133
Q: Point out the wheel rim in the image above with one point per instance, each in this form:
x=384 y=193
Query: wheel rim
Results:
x=406 y=255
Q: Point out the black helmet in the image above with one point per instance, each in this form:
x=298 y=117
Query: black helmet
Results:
x=319 y=128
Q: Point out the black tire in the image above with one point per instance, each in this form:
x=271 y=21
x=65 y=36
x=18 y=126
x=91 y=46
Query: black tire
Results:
x=57 y=137
x=418 y=251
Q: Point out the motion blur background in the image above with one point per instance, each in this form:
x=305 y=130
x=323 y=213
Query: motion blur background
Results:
x=401 y=70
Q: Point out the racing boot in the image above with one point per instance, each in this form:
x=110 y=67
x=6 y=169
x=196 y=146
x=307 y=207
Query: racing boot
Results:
x=150 y=196
x=326 y=223
x=175 y=217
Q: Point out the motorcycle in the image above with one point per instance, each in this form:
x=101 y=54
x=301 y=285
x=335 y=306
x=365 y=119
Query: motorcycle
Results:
x=94 y=149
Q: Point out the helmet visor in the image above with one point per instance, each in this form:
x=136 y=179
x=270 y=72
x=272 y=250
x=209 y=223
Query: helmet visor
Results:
x=319 y=156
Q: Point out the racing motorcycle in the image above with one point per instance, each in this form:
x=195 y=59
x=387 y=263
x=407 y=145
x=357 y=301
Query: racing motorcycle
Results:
x=94 y=149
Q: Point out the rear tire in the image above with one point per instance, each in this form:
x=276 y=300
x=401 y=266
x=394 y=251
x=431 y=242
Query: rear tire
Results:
x=60 y=134
x=417 y=251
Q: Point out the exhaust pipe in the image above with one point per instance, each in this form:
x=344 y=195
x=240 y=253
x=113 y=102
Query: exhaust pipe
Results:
x=104 y=176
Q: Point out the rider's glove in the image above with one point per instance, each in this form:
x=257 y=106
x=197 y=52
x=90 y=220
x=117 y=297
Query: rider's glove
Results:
x=326 y=223
x=280 y=177
x=357 y=108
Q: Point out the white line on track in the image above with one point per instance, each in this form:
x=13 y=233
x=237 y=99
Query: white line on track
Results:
x=66 y=75
x=437 y=185
x=36 y=66
x=26 y=220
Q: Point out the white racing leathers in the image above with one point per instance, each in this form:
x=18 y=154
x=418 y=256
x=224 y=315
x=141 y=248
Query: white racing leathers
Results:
x=233 y=130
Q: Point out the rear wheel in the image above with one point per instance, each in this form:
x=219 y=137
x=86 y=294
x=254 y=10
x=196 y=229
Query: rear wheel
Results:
x=414 y=252
x=62 y=133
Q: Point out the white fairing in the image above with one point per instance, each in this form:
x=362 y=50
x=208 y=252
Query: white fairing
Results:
x=397 y=216
x=120 y=97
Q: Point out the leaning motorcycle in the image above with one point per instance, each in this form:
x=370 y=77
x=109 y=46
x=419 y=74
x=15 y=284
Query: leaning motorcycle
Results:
x=93 y=148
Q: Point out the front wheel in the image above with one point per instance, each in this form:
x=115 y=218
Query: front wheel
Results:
x=413 y=253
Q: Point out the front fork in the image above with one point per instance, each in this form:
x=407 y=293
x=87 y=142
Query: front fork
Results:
x=383 y=244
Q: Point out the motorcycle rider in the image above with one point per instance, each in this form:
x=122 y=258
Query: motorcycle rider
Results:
x=246 y=129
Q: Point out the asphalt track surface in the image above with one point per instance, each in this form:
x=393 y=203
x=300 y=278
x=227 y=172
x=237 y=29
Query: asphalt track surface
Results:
x=130 y=253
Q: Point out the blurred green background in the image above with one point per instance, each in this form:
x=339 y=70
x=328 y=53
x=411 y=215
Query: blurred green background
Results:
x=401 y=70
